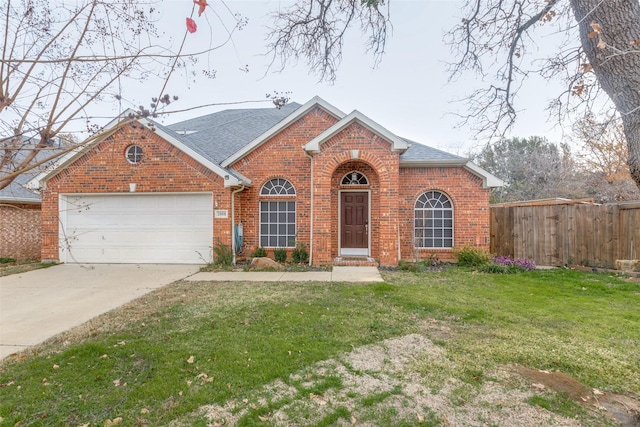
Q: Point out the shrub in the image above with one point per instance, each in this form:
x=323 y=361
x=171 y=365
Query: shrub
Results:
x=223 y=255
x=497 y=269
x=300 y=254
x=280 y=254
x=433 y=261
x=470 y=256
x=507 y=265
x=260 y=252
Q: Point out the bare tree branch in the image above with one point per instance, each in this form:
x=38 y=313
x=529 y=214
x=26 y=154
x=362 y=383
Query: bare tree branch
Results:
x=57 y=61
x=315 y=30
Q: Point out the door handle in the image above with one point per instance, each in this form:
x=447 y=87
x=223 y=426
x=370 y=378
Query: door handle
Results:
x=366 y=228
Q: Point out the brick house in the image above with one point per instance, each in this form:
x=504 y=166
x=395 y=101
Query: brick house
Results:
x=340 y=184
x=20 y=220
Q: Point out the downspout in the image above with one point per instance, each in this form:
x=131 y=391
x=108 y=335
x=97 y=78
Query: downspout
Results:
x=312 y=212
x=233 y=220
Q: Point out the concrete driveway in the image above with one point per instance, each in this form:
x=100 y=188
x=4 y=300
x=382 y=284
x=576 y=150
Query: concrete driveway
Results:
x=39 y=304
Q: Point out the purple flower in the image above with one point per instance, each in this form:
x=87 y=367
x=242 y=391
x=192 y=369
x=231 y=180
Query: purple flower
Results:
x=521 y=263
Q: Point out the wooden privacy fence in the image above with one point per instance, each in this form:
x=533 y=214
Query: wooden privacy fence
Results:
x=567 y=232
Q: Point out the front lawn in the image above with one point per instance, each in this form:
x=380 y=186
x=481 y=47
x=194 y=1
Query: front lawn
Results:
x=432 y=348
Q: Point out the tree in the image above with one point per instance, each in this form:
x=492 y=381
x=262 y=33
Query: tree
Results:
x=601 y=52
x=532 y=168
x=603 y=160
x=58 y=61
x=315 y=30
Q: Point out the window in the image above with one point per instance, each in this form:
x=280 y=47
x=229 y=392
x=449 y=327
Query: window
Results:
x=354 y=178
x=278 y=217
x=433 y=221
x=277 y=187
x=134 y=154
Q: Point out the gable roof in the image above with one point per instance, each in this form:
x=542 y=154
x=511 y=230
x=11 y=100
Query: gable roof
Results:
x=230 y=179
x=218 y=140
x=419 y=155
x=397 y=143
x=219 y=135
x=290 y=119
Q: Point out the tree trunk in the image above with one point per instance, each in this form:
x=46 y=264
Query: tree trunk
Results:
x=616 y=63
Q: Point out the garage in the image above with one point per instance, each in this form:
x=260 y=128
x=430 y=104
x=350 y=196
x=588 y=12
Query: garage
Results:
x=136 y=228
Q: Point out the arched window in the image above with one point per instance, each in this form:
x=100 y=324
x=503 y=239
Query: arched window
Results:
x=277 y=187
x=354 y=178
x=433 y=221
x=278 y=217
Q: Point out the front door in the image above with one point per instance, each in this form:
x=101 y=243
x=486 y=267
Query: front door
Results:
x=354 y=223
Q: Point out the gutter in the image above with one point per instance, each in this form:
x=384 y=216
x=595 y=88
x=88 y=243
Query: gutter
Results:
x=488 y=180
x=233 y=219
x=24 y=201
x=312 y=212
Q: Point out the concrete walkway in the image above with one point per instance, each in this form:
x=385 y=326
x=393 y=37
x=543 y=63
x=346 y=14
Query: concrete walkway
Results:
x=338 y=274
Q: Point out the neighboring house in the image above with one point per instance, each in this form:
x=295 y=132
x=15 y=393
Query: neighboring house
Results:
x=20 y=220
x=342 y=185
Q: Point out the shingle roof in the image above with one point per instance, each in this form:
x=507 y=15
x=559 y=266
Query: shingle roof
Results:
x=17 y=191
x=217 y=140
x=422 y=153
x=219 y=135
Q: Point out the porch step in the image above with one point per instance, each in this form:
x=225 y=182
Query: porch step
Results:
x=355 y=261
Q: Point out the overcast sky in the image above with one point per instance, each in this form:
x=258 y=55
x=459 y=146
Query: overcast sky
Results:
x=407 y=93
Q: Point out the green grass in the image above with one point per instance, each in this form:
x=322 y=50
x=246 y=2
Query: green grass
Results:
x=164 y=356
x=8 y=269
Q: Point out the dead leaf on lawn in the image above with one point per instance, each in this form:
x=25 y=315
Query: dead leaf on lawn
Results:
x=191 y=359
x=113 y=422
x=204 y=377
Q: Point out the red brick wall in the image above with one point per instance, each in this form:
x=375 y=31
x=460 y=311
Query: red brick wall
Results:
x=104 y=169
x=333 y=161
x=280 y=157
x=393 y=190
x=20 y=231
x=470 y=208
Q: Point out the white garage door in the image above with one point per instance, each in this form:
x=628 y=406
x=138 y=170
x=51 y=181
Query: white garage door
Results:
x=136 y=228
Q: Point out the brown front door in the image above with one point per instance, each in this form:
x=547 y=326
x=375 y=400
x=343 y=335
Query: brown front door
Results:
x=354 y=227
